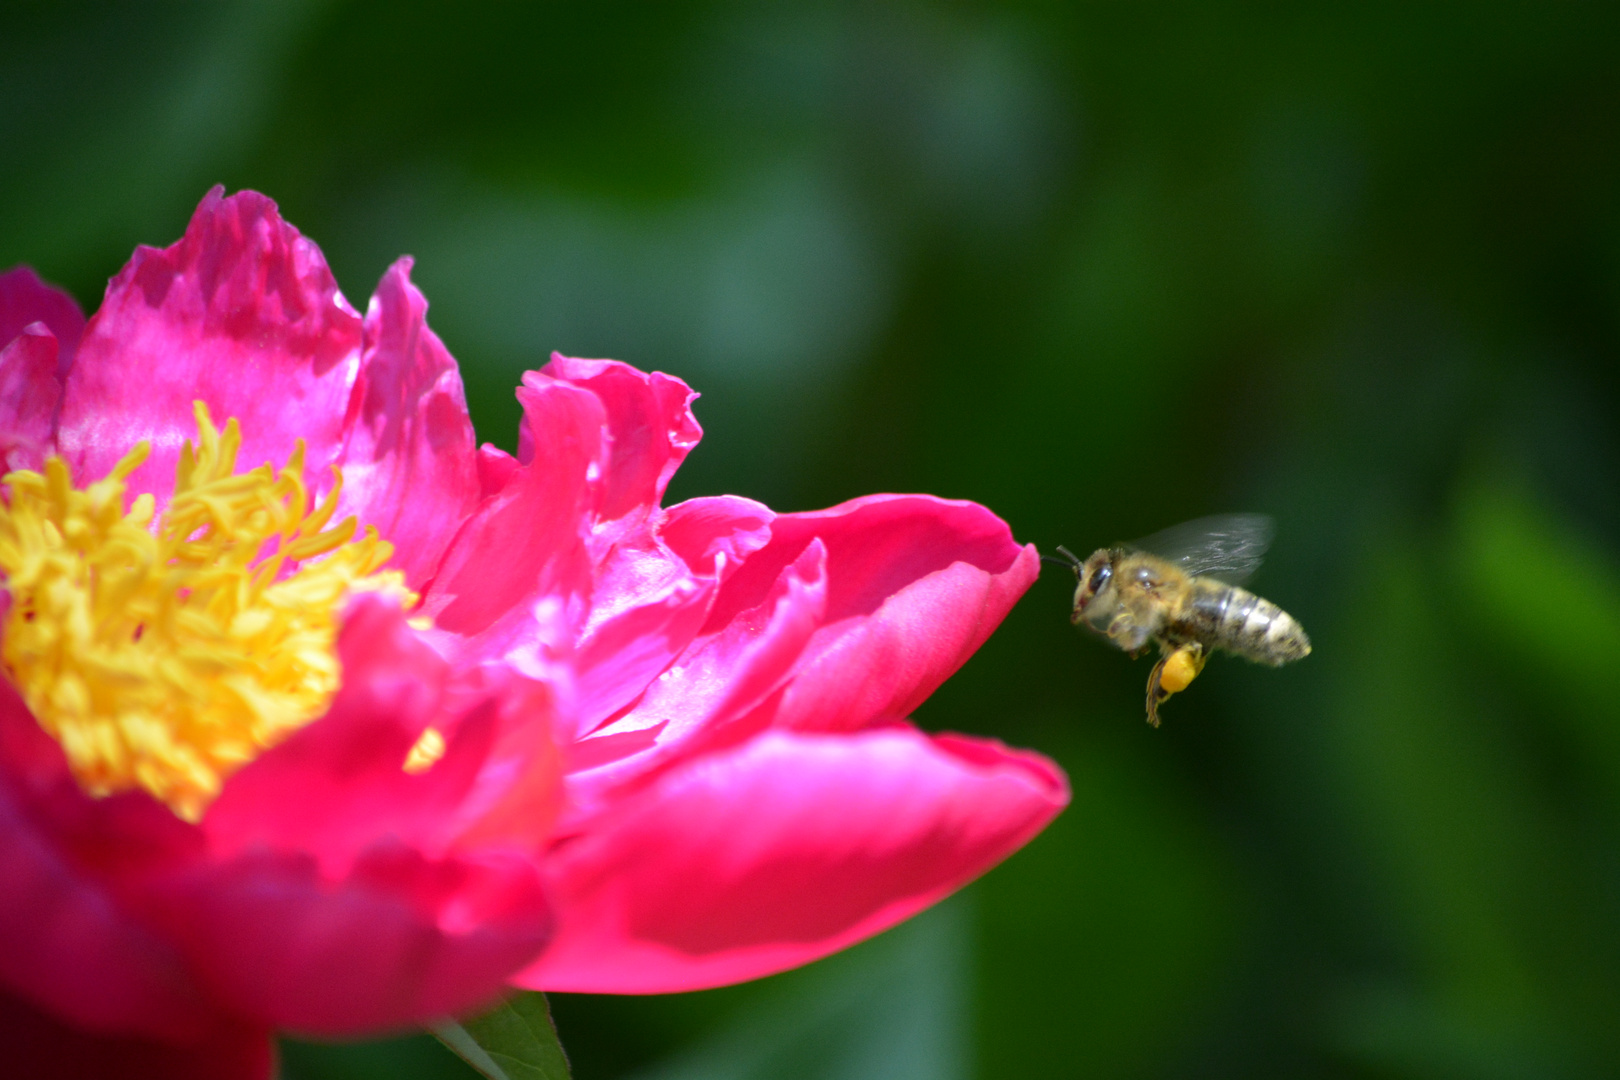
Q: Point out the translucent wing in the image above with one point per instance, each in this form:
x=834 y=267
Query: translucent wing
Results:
x=1226 y=546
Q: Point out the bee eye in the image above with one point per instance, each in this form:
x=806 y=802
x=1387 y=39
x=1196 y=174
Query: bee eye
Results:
x=1099 y=579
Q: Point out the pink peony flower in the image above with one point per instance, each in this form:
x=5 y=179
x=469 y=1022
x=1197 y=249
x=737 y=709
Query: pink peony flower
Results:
x=348 y=741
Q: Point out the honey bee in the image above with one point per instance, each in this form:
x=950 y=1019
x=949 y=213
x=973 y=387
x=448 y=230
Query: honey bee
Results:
x=1179 y=588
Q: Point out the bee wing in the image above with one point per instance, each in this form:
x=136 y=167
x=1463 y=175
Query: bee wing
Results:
x=1225 y=546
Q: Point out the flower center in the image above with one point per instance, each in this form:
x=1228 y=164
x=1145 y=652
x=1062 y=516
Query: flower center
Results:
x=166 y=655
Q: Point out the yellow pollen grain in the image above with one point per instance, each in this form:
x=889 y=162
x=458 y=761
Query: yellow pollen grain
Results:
x=426 y=753
x=1179 y=671
x=165 y=652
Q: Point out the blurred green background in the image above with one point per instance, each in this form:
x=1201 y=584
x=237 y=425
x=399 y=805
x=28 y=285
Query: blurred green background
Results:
x=1102 y=267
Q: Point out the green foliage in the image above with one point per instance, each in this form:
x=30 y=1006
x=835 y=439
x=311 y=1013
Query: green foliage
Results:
x=516 y=1040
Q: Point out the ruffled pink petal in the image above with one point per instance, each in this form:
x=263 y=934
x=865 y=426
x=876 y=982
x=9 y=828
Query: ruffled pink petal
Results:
x=585 y=503
x=780 y=852
x=696 y=704
x=29 y=393
x=241 y=313
x=651 y=599
x=409 y=464
x=39 y=1046
x=68 y=939
x=714 y=535
x=646 y=608
x=495 y=469
x=651 y=428
x=25 y=299
x=646 y=602
x=915 y=585
x=527 y=543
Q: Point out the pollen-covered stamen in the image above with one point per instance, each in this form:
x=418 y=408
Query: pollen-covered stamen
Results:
x=165 y=656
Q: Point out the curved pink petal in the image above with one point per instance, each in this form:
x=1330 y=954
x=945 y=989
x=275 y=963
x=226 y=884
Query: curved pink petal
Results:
x=651 y=428
x=25 y=299
x=326 y=875
x=241 y=313
x=709 y=539
x=409 y=463
x=915 y=585
x=397 y=941
x=640 y=604
x=29 y=394
x=39 y=1046
x=69 y=942
x=781 y=851
x=646 y=607
x=68 y=939
x=335 y=900
x=528 y=540
x=646 y=603
x=347 y=766
x=695 y=705
x=716 y=534
x=495 y=469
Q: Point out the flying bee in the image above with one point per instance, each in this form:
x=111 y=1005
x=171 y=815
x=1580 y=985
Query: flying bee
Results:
x=1179 y=588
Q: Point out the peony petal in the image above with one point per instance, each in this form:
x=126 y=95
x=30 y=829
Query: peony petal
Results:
x=915 y=585
x=528 y=541
x=241 y=313
x=780 y=852
x=883 y=667
x=645 y=604
x=646 y=607
x=330 y=905
x=652 y=596
x=696 y=704
x=347 y=767
x=589 y=499
x=495 y=469
x=311 y=896
x=38 y=1044
x=24 y=299
x=67 y=938
x=29 y=394
x=650 y=428
x=409 y=464
x=714 y=535
x=398 y=941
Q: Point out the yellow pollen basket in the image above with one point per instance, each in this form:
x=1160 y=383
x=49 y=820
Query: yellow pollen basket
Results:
x=166 y=655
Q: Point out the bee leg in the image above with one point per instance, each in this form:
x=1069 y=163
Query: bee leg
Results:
x=1124 y=632
x=1154 y=693
x=1174 y=672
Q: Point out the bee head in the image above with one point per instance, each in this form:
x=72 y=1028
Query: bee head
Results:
x=1093 y=591
x=1093 y=595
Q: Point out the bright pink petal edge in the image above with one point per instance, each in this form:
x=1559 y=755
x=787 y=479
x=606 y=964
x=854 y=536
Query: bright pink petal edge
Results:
x=241 y=313
x=782 y=851
x=25 y=299
x=409 y=463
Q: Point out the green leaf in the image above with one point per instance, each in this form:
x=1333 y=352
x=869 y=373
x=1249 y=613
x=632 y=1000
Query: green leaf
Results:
x=514 y=1041
x=1549 y=596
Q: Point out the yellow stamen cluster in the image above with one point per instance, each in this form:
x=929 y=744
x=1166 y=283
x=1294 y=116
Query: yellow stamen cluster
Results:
x=166 y=651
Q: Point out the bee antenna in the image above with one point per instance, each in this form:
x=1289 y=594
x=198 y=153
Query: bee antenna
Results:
x=1069 y=559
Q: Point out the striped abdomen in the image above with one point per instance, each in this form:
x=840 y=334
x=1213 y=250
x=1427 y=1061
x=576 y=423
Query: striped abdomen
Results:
x=1223 y=616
